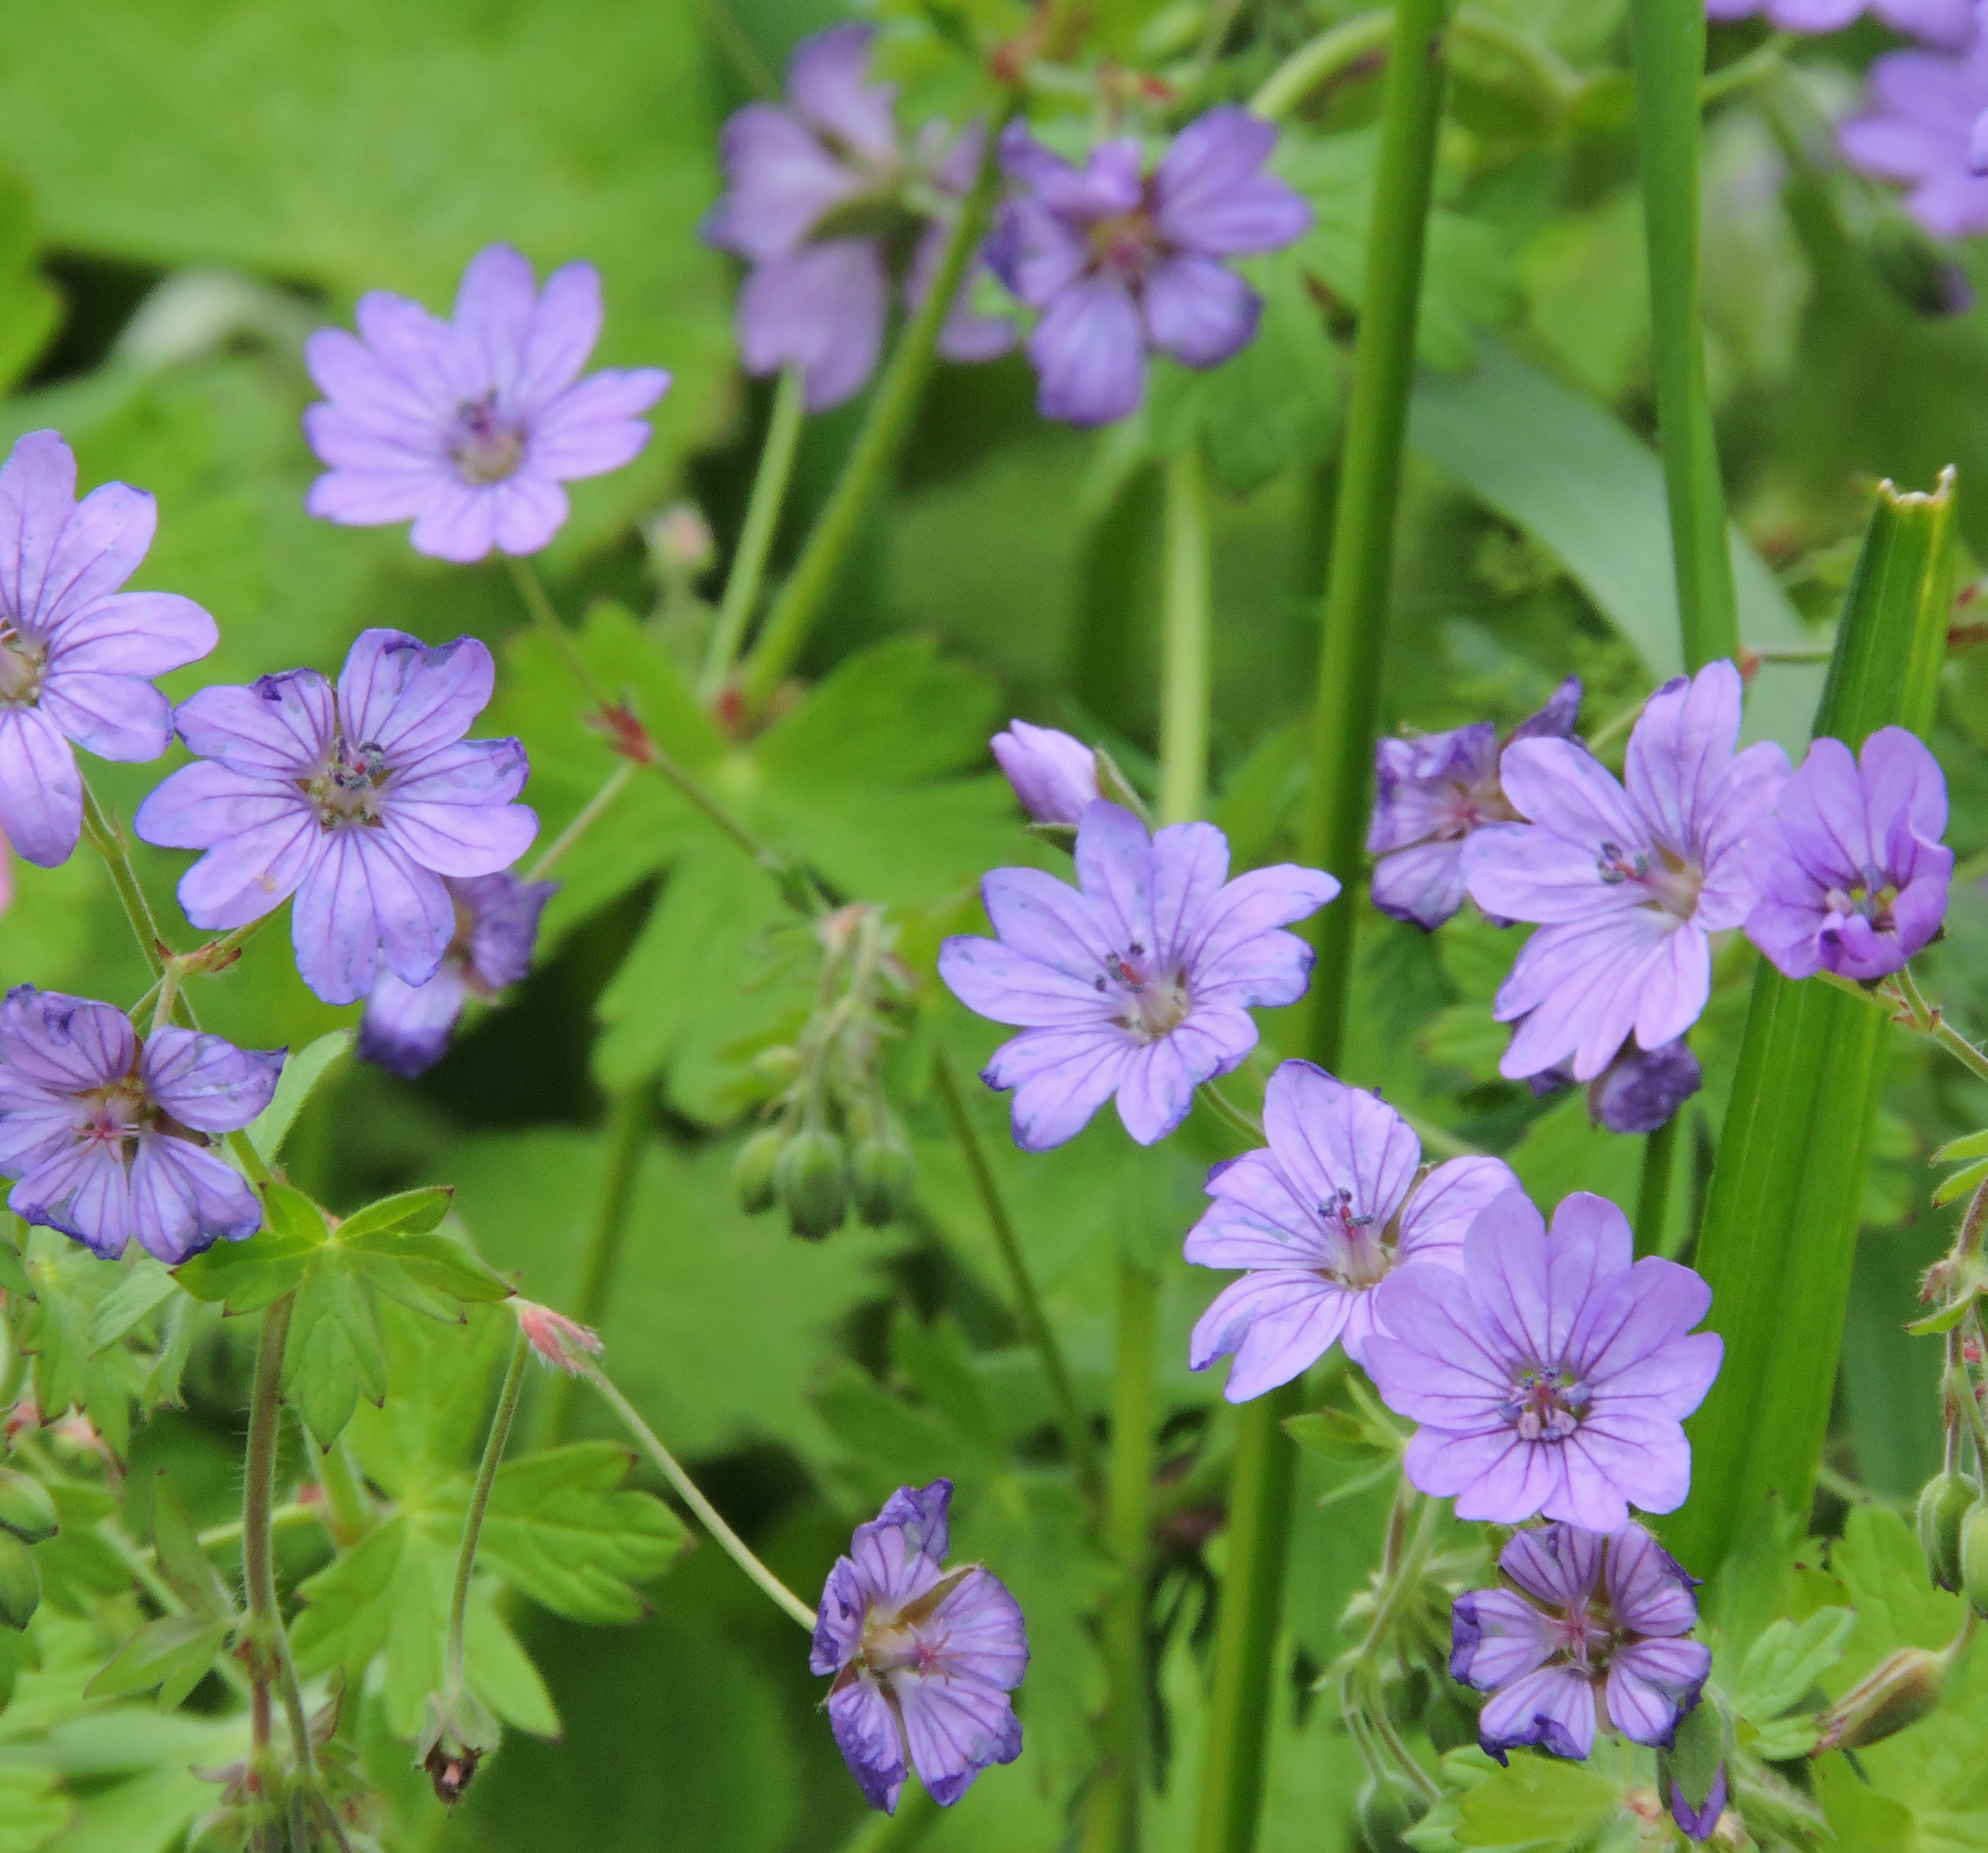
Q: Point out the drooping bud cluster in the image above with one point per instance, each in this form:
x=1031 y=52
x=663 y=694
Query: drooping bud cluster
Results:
x=27 y=1516
x=834 y=1140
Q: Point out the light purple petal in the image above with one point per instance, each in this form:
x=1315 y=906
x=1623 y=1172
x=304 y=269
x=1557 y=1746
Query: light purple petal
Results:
x=781 y=181
x=1553 y=1708
x=1199 y=312
x=1446 y=1202
x=41 y=791
x=1277 y=1325
x=184 y=1199
x=64 y=1045
x=119 y=718
x=280 y=725
x=207 y=1083
x=362 y=905
x=1090 y=354
x=1210 y=196
x=1054 y=775
x=1060 y=1077
x=596 y=426
x=1497 y=1637
x=247 y=875
x=866 y=1732
x=407 y=1028
x=82 y=1192
x=136 y=633
x=822 y=308
x=1649 y=1592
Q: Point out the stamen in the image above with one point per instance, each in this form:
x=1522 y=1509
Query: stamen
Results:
x=488 y=447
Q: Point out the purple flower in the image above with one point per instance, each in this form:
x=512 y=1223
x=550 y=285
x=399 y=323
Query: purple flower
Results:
x=77 y=655
x=1638 y=1092
x=1925 y=133
x=1947 y=22
x=1054 y=775
x=1118 y=264
x=1432 y=792
x=469 y=428
x=1851 y=874
x=821 y=195
x=1593 y=1619
x=1141 y=983
x=1629 y=885
x=110 y=1140
x=1551 y=1374
x=1320 y=1220
x=924 y=1657
x=359 y=800
x=406 y=1027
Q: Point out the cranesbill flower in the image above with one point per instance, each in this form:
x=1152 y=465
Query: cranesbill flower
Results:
x=1430 y=793
x=359 y=799
x=1947 y=22
x=825 y=202
x=1640 y=1090
x=468 y=428
x=1320 y=1219
x=1551 y=1375
x=1054 y=774
x=406 y=1027
x=77 y=655
x=1852 y=876
x=1138 y=984
x=1595 y=1625
x=111 y=1140
x=1629 y=885
x=1924 y=132
x=1120 y=264
x=924 y=1658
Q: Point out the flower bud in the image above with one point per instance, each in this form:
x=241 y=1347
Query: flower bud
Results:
x=753 y=1170
x=811 y=1177
x=20 y=1582
x=1903 y=1687
x=1384 y=1813
x=881 y=1174
x=26 y=1508
x=459 y=1734
x=564 y=1344
x=1943 y=1504
x=1974 y=1555
x=780 y=1065
x=681 y=541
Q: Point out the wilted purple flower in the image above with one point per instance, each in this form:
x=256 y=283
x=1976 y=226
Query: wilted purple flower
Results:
x=1699 y=1824
x=1119 y=265
x=1320 y=1220
x=77 y=655
x=1851 y=874
x=359 y=800
x=1640 y=1090
x=1054 y=775
x=1140 y=984
x=823 y=199
x=1925 y=133
x=1947 y=22
x=1593 y=1619
x=1551 y=1375
x=924 y=1658
x=406 y=1027
x=468 y=428
x=1628 y=885
x=110 y=1139
x=1433 y=792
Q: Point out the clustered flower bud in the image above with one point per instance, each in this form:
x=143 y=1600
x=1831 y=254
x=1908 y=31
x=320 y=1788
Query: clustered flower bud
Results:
x=1944 y=1502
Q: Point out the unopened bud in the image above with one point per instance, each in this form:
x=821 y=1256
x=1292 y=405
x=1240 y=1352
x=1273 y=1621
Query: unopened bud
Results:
x=753 y=1170
x=1903 y=1687
x=20 y=1582
x=459 y=1734
x=1974 y=1555
x=1943 y=1504
x=780 y=1065
x=881 y=1174
x=680 y=539
x=26 y=1508
x=812 y=1182
x=560 y=1341
x=1384 y=1813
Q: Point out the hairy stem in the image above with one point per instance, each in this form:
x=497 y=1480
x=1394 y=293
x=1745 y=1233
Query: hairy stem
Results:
x=729 y=1540
x=271 y=1651
x=101 y=830
x=494 y=1444
x=1186 y=628
x=755 y=539
x=1035 y=1323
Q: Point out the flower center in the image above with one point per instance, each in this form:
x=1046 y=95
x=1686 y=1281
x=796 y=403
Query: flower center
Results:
x=1872 y=898
x=21 y=659
x=891 y=1646
x=1151 y=1003
x=488 y=446
x=1470 y=807
x=1671 y=883
x=1545 y=1404
x=1127 y=245
x=1365 y=1258
x=112 y=1117
x=347 y=788
x=1585 y=1640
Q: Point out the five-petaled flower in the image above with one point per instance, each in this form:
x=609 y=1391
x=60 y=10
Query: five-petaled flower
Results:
x=1925 y=132
x=1851 y=873
x=359 y=799
x=1550 y=1375
x=1594 y=1625
x=1119 y=263
x=109 y=1138
x=77 y=655
x=824 y=200
x=1054 y=774
x=406 y=1027
x=924 y=1658
x=1628 y=884
x=1320 y=1220
x=1433 y=792
x=468 y=428
x=1139 y=983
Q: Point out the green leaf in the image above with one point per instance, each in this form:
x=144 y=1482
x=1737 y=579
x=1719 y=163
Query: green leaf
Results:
x=182 y=1563
x=1880 y=1565
x=1786 y=1660
x=1972 y=1146
x=333 y=1356
x=1538 y=1800
x=174 y=1653
x=1944 y=1320
x=1963 y=1183
x=302 y=1073
x=1334 y=1435
x=415 y=1212
x=146 y=1284
x=245 y=1276
x=33 y=1810
x=1779 y=1235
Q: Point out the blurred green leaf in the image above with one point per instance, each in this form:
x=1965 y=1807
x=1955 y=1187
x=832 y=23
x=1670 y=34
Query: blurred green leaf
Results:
x=302 y=1075
x=174 y=1654
x=1538 y=1800
x=1788 y=1659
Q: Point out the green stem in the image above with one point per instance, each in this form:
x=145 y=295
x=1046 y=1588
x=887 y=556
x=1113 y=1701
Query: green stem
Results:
x=272 y=1642
x=1035 y=1323
x=1232 y=1115
x=617 y=781
x=897 y=393
x=1653 y=1196
x=627 y=1139
x=101 y=830
x=1186 y=624
x=494 y=1444
x=729 y=1540
x=1668 y=42
x=1764 y=62
x=755 y=539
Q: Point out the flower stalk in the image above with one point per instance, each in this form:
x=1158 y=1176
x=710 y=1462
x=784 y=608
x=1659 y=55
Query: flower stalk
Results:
x=101 y=831
x=755 y=538
x=270 y=1664
x=494 y=1445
